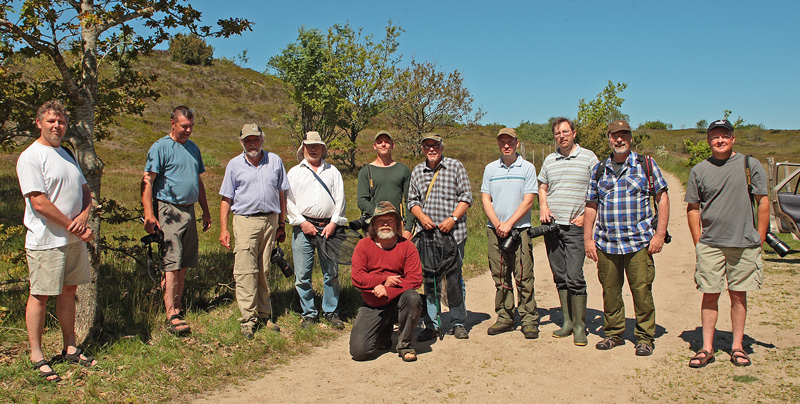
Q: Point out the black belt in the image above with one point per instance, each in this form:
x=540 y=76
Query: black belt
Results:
x=259 y=214
x=317 y=222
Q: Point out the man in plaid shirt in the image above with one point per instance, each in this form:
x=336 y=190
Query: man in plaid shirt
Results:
x=626 y=237
x=445 y=208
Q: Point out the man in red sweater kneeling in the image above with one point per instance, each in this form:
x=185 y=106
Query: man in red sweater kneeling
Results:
x=387 y=270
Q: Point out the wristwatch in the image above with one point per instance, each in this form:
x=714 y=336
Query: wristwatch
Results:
x=454 y=217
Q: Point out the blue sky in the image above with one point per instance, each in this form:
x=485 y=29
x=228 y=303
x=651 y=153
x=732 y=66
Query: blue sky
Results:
x=529 y=60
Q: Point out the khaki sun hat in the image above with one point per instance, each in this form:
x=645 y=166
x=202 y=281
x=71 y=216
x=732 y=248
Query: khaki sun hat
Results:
x=250 y=129
x=312 y=138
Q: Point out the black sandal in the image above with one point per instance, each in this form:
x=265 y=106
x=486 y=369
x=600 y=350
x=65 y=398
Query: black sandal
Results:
x=180 y=328
x=75 y=357
x=45 y=375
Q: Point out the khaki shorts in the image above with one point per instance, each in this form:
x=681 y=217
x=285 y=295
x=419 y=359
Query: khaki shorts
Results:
x=741 y=266
x=50 y=270
x=180 y=234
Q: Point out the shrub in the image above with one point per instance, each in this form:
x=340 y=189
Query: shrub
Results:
x=697 y=151
x=191 y=50
x=535 y=132
x=655 y=125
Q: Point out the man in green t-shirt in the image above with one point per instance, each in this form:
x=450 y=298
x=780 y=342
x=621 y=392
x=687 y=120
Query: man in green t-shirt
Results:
x=384 y=180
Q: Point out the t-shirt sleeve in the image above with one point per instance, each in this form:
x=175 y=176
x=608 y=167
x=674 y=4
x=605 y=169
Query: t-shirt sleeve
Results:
x=30 y=175
x=692 y=193
x=485 y=182
x=758 y=177
x=531 y=183
x=153 y=163
x=543 y=173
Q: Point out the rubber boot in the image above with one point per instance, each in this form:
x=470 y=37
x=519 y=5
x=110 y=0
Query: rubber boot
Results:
x=566 y=329
x=579 y=319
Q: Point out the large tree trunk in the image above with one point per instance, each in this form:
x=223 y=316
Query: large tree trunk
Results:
x=87 y=313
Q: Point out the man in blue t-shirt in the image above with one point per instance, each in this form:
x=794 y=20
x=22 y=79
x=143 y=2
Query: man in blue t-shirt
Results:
x=172 y=183
x=507 y=192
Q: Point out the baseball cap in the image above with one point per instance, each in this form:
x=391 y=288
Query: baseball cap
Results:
x=383 y=132
x=431 y=136
x=722 y=123
x=618 y=126
x=250 y=129
x=507 y=131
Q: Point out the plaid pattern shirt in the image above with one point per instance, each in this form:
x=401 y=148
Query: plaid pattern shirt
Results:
x=624 y=215
x=451 y=187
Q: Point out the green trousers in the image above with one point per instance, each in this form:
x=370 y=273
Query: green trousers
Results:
x=518 y=265
x=639 y=268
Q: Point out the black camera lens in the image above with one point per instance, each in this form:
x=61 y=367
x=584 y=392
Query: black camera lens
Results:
x=511 y=243
x=779 y=246
x=277 y=258
x=545 y=228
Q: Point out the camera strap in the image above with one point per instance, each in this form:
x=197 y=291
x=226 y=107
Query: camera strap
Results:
x=323 y=183
x=750 y=188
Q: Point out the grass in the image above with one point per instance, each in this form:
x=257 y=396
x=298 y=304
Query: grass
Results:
x=139 y=360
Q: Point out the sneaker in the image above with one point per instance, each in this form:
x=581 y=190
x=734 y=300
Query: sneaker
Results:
x=530 y=331
x=336 y=323
x=247 y=329
x=308 y=322
x=427 y=334
x=460 y=332
x=499 y=328
x=608 y=343
x=643 y=349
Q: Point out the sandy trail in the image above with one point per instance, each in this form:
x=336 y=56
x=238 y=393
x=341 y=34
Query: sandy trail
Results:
x=506 y=367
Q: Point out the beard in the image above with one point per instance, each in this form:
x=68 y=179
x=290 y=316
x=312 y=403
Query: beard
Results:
x=386 y=234
x=252 y=153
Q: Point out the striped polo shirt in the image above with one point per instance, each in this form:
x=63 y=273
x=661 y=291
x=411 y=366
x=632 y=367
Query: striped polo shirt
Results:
x=507 y=185
x=567 y=179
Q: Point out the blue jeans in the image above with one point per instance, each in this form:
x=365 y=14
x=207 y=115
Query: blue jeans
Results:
x=303 y=254
x=458 y=314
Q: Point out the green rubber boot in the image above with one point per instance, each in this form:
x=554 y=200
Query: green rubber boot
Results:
x=566 y=329
x=579 y=319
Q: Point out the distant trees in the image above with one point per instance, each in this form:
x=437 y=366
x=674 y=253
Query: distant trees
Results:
x=536 y=132
x=424 y=99
x=191 y=50
x=594 y=117
x=655 y=125
x=72 y=40
x=341 y=80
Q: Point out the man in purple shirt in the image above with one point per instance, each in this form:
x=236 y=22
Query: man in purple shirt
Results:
x=253 y=188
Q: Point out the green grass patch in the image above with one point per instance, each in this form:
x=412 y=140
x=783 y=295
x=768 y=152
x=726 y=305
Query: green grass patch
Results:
x=745 y=379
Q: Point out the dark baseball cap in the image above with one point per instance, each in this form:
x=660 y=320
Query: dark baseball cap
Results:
x=618 y=126
x=722 y=123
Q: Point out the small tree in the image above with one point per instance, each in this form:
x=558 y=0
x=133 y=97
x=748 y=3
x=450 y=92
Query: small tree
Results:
x=191 y=50
x=541 y=133
x=697 y=151
x=701 y=125
x=659 y=125
x=594 y=117
x=424 y=99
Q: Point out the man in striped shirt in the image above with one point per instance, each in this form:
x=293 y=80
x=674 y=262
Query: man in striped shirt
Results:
x=563 y=180
x=626 y=237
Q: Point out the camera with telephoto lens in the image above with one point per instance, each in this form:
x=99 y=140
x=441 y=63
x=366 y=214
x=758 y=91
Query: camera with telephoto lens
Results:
x=510 y=243
x=545 y=228
x=156 y=237
x=779 y=246
x=277 y=258
x=360 y=223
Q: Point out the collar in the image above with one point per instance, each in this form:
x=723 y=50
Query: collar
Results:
x=263 y=160
x=571 y=156
x=517 y=162
x=441 y=164
x=322 y=164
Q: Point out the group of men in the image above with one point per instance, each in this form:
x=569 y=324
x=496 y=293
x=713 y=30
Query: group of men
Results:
x=588 y=208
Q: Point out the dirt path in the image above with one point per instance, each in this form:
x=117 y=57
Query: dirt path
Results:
x=507 y=367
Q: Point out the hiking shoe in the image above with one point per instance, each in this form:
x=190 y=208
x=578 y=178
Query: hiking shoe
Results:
x=460 y=332
x=336 y=323
x=308 y=322
x=608 y=343
x=530 y=331
x=247 y=329
x=427 y=334
x=643 y=349
x=499 y=328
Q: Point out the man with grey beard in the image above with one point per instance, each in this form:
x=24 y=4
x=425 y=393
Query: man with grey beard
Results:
x=253 y=188
x=387 y=270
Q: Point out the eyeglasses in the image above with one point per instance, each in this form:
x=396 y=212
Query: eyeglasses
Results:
x=563 y=133
x=426 y=146
x=727 y=136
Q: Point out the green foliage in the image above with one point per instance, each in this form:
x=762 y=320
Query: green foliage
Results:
x=424 y=99
x=698 y=151
x=701 y=125
x=541 y=133
x=191 y=50
x=655 y=125
x=594 y=117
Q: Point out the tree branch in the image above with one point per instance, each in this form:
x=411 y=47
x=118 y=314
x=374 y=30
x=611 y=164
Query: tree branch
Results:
x=147 y=11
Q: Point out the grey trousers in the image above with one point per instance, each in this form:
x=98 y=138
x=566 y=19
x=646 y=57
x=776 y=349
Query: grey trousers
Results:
x=373 y=326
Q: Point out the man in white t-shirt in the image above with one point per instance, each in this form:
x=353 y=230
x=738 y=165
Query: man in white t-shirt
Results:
x=57 y=203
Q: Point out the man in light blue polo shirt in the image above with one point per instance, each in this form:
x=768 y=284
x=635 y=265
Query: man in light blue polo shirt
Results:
x=563 y=181
x=507 y=192
x=172 y=182
x=253 y=188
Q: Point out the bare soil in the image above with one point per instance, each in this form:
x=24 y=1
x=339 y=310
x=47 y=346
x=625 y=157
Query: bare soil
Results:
x=509 y=368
